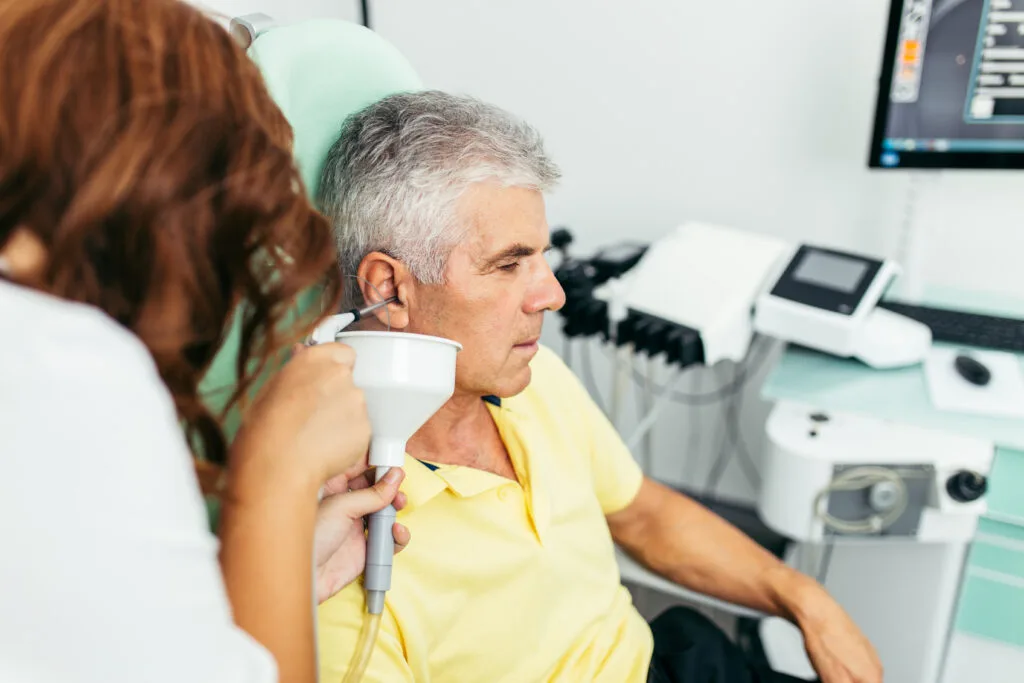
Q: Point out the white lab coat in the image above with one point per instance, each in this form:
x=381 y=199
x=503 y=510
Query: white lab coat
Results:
x=108 y=572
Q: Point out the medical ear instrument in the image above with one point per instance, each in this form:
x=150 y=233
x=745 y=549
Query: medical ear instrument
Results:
x=328 y=330
x=405 y=379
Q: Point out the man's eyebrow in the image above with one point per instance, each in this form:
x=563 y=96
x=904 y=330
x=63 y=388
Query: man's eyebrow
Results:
x=510 y=253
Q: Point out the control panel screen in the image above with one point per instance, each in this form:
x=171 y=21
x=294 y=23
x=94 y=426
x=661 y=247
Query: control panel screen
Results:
x=952 y=86
x=831 y=271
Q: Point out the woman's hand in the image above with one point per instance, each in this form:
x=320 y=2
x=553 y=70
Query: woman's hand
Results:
x=308 y=424
x=339 y=545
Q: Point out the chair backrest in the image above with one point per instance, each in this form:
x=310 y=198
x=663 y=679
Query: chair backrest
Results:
x=319 y=72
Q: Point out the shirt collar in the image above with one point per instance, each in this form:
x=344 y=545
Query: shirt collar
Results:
x=421 y=483
x=424 y=480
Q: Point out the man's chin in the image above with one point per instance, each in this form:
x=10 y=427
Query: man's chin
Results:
x=514 y=385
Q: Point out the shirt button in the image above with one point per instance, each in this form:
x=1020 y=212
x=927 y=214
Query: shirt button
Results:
x=503 y=493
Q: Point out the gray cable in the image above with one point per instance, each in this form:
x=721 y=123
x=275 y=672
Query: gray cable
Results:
x=588 y=376
x=694 y=440
x=750 y=366
x=747 y=465
x=825 y=561
x=645 y=401
x=718 y=467
x=651 y=418
x=733 y=433
x=760 y=350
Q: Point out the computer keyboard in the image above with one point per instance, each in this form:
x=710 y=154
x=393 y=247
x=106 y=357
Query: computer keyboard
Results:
x=960 y=327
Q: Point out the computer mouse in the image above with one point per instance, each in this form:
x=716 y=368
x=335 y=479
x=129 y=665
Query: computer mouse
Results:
x=972 y=370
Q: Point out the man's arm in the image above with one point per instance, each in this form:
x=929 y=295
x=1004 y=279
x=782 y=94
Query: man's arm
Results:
x=686 y=543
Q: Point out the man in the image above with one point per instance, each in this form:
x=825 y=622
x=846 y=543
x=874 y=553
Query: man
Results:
x=518 y=488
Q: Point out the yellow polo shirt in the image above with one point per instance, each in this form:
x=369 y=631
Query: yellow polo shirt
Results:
x=506 y=582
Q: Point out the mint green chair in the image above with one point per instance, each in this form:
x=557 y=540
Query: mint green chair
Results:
x=319 y=72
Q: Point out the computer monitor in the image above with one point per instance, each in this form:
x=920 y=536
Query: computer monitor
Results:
x=951 y=91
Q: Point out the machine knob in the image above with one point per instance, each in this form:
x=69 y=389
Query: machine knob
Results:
x=966 y=486
x=883 y=496
x=575 y=278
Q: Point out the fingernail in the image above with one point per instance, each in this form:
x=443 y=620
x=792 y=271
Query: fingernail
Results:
x=394 y=475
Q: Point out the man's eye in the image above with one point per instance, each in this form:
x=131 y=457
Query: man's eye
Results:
x=509 y=267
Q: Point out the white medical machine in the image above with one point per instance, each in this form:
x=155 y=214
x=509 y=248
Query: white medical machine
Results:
x=727 y=284
x=900 y=503
x=829 y=475
x=828 y=300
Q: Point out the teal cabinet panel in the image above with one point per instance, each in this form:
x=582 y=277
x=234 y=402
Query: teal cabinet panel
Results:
x=1002 y=557
x=996 y=531
x=992 y=606
x=1006 y=487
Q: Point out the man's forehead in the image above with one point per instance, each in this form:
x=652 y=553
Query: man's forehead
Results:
x=499 y=218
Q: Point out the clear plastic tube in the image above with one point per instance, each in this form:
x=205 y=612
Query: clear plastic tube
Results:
x=364 y=648
x=380 y=550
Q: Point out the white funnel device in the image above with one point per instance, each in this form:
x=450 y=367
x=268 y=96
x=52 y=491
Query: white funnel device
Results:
x=406 y=378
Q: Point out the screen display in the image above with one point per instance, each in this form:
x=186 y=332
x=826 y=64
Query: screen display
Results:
x=952 y=87
x=834 y=272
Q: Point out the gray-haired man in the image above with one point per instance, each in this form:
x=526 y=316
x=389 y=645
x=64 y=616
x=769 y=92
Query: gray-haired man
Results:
x=518 y=487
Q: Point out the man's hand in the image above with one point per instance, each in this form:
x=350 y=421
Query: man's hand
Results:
x=838 y=650
x=685 y=542
x=339 y=545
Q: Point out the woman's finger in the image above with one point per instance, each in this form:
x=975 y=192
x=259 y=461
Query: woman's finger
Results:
x=402 y=537
x=364 y=480
x=335 y=485
x=342 y=484
x=373 y=498
x=400 y=501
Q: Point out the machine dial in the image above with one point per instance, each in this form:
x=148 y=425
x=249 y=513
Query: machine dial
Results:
x=883 y=496
x=966 y=486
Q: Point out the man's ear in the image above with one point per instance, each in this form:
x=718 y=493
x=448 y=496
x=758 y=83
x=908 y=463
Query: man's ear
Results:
x=382 y=276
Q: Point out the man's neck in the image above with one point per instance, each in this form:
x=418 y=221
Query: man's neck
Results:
x=462 y=432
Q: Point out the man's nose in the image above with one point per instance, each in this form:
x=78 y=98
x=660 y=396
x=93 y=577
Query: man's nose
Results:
x=546 y=294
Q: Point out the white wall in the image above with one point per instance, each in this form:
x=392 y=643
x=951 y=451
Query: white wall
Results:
x=750 y=113
x=283 y=11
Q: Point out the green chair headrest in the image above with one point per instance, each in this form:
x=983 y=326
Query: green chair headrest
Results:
x=321 y=71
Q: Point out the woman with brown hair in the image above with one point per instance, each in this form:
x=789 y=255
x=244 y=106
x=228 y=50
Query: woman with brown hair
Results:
x=147 y=195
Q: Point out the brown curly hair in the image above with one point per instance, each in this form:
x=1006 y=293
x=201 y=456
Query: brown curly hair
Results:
x=139 y=144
